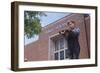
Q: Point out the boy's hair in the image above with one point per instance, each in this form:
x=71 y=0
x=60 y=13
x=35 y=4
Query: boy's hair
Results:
x=71 y=21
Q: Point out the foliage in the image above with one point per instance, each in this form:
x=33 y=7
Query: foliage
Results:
x=32 y=25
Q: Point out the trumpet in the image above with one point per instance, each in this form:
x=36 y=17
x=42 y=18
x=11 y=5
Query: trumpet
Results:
x=65 y=30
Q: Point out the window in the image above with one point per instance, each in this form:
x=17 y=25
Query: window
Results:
x=61 y=43
x=56 y=56
x=61 y=55
x=61 y=51
x=56 y=45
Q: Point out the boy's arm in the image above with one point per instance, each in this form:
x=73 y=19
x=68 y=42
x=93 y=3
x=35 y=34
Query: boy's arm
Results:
x=65 y=32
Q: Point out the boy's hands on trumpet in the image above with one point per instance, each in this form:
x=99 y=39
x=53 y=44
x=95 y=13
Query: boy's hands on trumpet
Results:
x=65 y=31
x=62 y=32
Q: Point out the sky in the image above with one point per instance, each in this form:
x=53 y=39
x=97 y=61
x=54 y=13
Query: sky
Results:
x=46 y=20
x=51 y=17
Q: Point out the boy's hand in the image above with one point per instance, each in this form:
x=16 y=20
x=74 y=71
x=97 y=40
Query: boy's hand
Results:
x=62 y=32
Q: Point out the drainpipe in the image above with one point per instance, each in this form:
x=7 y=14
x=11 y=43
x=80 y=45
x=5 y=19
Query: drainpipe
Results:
x=86 y=36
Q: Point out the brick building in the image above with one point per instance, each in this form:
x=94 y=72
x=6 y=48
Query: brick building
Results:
x=47 y=47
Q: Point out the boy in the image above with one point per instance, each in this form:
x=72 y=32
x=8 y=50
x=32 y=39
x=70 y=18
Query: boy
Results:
x=72 y=35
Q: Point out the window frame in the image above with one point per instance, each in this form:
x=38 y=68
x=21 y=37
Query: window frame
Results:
x=59 y=49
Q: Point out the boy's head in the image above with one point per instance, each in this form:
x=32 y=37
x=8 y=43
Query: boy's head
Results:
x=71 y=24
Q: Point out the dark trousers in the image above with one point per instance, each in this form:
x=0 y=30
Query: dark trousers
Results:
x=74 y=54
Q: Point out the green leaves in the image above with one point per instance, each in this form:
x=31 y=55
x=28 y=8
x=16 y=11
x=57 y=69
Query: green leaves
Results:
x=32 y=25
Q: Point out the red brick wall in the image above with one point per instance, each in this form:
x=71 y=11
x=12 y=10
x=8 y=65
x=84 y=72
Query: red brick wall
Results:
x=39 y=50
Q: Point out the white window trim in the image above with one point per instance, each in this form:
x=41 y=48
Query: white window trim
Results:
x=49 y=54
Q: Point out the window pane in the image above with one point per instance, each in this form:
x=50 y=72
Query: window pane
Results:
x=67 y=53
x=62 y=43
x=61 y=55
x=66 y=43
x=56 y=45
x=56 y=56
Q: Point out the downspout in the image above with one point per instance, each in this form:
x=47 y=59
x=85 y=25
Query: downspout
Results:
x=86 y=37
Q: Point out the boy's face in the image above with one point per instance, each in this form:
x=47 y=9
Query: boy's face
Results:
x=71 y=25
